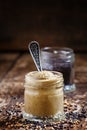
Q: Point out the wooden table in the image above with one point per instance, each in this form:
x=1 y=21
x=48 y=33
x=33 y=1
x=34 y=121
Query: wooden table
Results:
x=13 y=67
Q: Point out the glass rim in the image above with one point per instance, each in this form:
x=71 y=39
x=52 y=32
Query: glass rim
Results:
x=56 y=50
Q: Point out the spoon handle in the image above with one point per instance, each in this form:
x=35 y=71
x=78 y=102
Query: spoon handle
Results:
x=35 y=53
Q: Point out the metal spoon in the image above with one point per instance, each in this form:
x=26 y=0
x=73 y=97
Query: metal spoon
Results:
x=35 y=53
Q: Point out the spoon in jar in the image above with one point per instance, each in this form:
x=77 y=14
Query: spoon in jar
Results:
x=35 y=53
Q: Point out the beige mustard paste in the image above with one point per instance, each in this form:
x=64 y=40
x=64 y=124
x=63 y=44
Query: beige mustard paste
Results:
x=43 y=93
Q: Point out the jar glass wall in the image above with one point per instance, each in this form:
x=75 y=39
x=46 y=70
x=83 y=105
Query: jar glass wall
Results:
x=43 y=96
x=62 y=60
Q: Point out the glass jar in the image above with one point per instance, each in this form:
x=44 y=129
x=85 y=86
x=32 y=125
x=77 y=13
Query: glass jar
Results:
x=43 y=96
x=62 y=60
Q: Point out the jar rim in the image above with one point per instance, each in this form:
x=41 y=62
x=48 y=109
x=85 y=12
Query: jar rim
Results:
x=33 y=72
x=57 y=50
x=37 y=82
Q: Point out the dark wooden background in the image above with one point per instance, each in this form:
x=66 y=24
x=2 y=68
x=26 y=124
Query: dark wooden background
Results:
x=50 y=22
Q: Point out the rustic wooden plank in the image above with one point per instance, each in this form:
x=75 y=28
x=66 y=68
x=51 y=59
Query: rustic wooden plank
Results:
x=13 y=82
x=81 y=62
x=81 y=68
x=25 y=64
x=6 y=61
x=12 y=93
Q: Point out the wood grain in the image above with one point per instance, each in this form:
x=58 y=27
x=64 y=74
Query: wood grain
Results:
x=6 y=63
x=81 y=68
x=14 y=80
x=12 y=91
x=25 y=64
